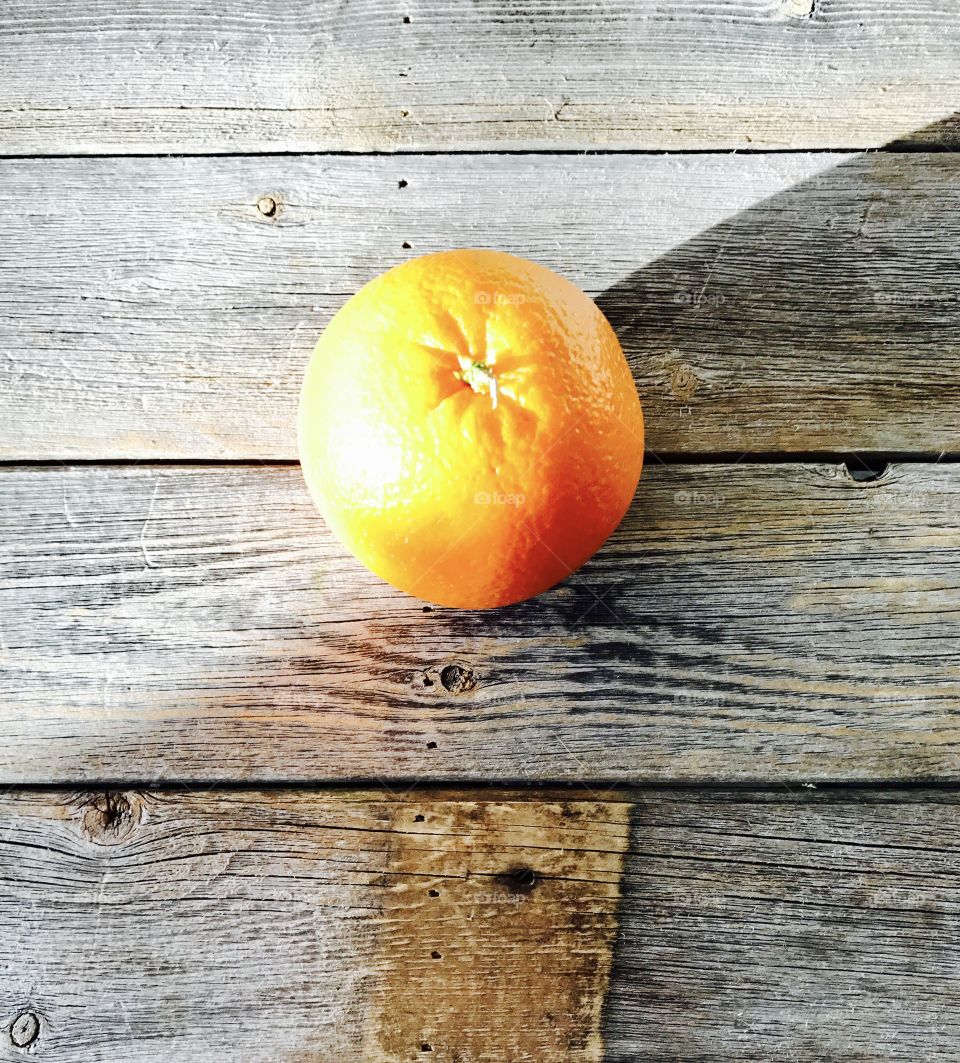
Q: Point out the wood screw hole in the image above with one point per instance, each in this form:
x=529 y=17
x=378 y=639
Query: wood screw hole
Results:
x=518 y=879
x=431 y=745
x=434 y=893
x=418 y=818
x=524 y=877
x=401 y=183
x=436 y=955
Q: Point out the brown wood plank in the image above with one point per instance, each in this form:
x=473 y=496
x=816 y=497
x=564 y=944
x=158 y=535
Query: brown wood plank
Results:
x=745 y=622
x=281 y=76
x=794 y=303
x=282 y=927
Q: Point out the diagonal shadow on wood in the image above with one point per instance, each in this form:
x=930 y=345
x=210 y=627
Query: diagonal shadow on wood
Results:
x=857 y=266
x=855 y=269
x=788 y=613
x=746 y=621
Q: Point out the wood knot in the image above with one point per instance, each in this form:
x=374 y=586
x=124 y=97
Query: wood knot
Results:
x=457 y=679
x=683 y=381
x=269 y=206
x=25 y=1029
x=110 y=817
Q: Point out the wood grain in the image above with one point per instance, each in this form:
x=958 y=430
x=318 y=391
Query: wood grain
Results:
x=792 y=303
x=796 y=926
x=805 y=925
x=283 y=76
x=746 y=622
x=289 y=928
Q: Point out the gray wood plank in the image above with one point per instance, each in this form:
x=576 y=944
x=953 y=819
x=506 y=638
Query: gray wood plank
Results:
x=797 y=926
x=292 y=927
x=120 y=76
x=805 y=925
x=746 y=622
x=791 y=303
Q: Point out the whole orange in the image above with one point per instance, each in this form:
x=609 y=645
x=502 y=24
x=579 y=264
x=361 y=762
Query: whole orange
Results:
x=469 y=428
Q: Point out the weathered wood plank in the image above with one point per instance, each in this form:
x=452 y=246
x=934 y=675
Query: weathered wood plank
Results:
x=148 y=77
x=307 y=927
x=149 y=310
x=746 y=622
x=806 y=925
x=801 y=926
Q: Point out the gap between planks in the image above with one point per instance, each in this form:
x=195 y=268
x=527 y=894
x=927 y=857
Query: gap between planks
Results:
x=851 y=460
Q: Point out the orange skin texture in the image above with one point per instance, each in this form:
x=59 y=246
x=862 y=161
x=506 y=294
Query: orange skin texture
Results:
x=447 y=491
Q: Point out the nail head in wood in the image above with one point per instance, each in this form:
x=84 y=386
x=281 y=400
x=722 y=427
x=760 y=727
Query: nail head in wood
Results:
x=268 y=206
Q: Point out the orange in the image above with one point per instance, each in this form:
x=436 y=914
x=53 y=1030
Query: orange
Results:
x=469 y=428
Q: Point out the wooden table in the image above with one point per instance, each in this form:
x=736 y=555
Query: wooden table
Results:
x=697 y=803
